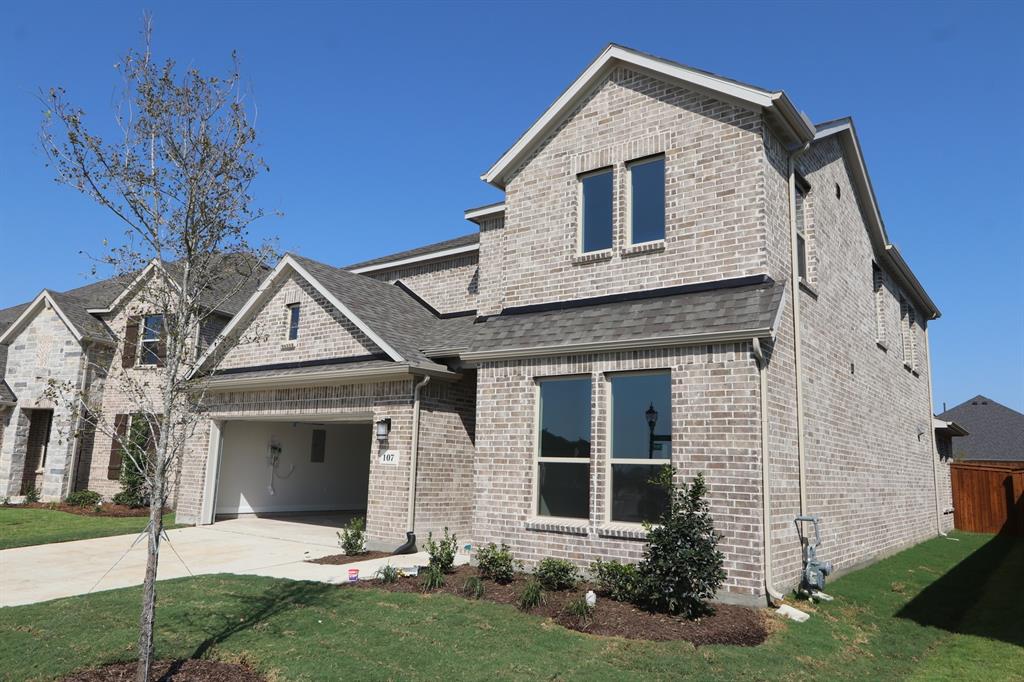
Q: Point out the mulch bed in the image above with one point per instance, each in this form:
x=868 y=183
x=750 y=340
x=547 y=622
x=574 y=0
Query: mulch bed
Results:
x=339 y=559
x=105 y=509
x=165 y=671
x=736 y=625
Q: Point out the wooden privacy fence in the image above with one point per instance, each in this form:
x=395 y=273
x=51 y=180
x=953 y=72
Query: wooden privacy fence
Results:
x=988 y=497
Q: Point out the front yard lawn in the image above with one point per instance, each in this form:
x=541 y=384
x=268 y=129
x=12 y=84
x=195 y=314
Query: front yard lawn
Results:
x=942 y=610
x=23 y=527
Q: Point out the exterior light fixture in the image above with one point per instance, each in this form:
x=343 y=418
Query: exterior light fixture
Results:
x=383 y=429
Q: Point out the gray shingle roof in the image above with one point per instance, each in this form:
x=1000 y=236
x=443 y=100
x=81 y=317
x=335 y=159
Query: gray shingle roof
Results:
x=299 y=372
x=995 y=432
x=720 y=311
x=464 y=240
x=75 y=310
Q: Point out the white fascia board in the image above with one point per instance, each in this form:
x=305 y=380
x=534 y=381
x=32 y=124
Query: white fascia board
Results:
x=216 y=383
x=41 y=299
x=127 y=290
x=579 y=88
x=433 y=255
x=477 y=214
x=605 y=346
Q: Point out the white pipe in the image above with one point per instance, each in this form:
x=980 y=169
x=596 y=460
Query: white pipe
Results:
x=934 y=447
x=413 y=455
x=766 y=544
x=794 y=275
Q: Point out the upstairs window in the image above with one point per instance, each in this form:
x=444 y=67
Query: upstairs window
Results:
x=563 y=448
x=647 y=200
x=151 y=350
x=293 y=321
x=878 y=286
x=596 y=218
x=907 y=330
x=641 y=438
x=802 y=189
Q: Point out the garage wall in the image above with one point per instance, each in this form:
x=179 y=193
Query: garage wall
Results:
x=339 y=482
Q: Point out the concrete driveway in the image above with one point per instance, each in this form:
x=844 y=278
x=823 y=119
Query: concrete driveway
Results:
x=276 y=548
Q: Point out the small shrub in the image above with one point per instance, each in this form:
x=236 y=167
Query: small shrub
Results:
x=614 y=580
x=531 y=597
x=496 y=563
x=473 y=587
x=442 y=552
x=581 y=613
x=7 y=501
x=433 y=579
x=388 y=574
x=352 y=538
x=134 y=491
x=557 y=574
x=32 y=495
x=682 y=565
x=83 y=498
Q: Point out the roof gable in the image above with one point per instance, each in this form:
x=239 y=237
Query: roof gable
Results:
x=994 y=431
x=71 y=311
x=777 y=106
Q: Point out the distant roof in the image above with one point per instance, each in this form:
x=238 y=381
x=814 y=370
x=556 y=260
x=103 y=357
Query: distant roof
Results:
x=996 y=432
x=662 y=318
x=419 y=252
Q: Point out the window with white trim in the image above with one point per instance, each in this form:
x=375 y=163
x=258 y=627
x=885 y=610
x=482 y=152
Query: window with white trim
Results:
x=647 y=200
x=878 y=287
x=802 y=190
x=563 y=447
x=294 y=312
x=596 y=198
x=150 y=348
x=641 y=443
x=908 y=325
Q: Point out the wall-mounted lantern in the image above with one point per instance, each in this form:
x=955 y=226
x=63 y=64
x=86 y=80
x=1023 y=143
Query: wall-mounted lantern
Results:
x=383 y=429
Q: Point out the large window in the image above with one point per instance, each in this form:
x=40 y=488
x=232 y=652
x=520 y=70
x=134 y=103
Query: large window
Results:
x=802 y=189
x=151 y=352
x=641 y=440
x=647 y=200
x=563 y=448
x=596 y=221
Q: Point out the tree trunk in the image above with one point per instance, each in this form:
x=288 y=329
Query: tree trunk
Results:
x=147 y=620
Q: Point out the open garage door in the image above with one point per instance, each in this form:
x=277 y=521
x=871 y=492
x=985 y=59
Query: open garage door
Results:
x=293 y=467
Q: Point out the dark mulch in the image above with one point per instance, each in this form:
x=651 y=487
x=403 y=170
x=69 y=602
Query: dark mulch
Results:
x=165 y=671
x=105 y=509
x=736 y=625
x=338 y=559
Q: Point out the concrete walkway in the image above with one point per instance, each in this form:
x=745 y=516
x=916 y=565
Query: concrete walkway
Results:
x=277 y=548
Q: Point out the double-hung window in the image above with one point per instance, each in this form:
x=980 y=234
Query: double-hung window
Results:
x=596 y=189
x=150 y=350
x=802 y=189
x=647 y=200
x=294 y=311
x=641 y=443
x=563 y=448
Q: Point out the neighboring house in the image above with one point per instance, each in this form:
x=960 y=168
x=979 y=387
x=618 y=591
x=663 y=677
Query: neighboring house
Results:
x=87 y=338
x=684 y=271
x=994 y=432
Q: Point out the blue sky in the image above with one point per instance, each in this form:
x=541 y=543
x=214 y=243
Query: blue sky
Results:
x=377 y=121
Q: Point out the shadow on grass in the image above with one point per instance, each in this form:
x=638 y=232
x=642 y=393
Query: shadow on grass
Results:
x=980 y=596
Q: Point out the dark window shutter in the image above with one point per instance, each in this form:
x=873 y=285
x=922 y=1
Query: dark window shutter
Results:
x=117 y=447
x=131 y=343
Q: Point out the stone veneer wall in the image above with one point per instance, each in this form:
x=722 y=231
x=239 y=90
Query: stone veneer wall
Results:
x=715 y=430
x=449 y=285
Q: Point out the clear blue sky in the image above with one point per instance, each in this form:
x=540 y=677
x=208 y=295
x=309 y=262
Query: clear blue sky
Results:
x=377 y=121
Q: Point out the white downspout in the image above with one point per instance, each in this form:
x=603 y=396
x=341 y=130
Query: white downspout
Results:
x=414 y=454
x=766 y=544
x=931 y=439
x=795 y=293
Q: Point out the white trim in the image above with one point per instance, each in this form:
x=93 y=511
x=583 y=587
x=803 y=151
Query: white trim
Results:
x=208 y=510
x=604 y=63
x=479 y=213
x=583 y=521
x=264 y=288
x=601 y=346
x=232 y=381
x=433 y=255
x=127 y=290
x=45 y=298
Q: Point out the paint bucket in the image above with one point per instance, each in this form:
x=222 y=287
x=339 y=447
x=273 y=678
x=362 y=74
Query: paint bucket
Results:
x=353 y=575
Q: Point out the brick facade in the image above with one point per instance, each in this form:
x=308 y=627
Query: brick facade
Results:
x=448 y=285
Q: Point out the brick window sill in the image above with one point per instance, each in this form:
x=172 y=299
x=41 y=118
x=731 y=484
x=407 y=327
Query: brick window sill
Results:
x=881 y=344
x=570 y=526
x=646 y=247
x=592 y=257
x=806 y=286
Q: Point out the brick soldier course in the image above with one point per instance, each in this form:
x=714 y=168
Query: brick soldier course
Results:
x=793 y=336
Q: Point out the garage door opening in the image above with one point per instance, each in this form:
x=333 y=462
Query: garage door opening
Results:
x=294 y=468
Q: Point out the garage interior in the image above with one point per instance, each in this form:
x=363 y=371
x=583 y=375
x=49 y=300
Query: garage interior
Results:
x=319 y=470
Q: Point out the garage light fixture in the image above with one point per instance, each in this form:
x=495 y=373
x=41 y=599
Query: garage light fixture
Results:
x=383 y=429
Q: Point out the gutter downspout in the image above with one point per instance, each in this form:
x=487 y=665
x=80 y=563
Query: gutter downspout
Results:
x=934 y=448
x=410 y=523
x=795 y=293
x=774 y=595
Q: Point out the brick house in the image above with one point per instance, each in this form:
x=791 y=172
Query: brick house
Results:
x=684 y=270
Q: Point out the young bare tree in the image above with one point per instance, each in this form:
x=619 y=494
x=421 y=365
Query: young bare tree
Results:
x=176 y=175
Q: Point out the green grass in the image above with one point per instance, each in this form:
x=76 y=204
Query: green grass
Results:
x=23 y=527
x=943 y=610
